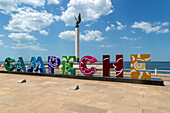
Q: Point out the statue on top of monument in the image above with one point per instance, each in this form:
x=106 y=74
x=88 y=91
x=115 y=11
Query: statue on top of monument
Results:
x=78 y=20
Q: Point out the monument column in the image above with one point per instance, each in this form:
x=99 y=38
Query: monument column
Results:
x=77 y=36
x=77 y=42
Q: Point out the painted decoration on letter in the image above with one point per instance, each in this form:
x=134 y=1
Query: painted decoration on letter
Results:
x=67 y=63
x=8 y=66
x=83 y=67
x=32 y=65
x=118 y=66
x=135 y=66
x=36 y=65
x=20 y=66
x=53 y=62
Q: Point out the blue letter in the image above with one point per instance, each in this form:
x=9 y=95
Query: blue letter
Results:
x=53 y=62
x=20 y=66
x=35 y=65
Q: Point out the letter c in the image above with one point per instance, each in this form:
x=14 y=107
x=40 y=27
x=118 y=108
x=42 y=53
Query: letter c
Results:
x=8 y=66
x=84 y=69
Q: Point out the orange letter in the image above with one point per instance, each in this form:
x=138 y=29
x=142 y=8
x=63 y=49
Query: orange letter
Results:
x=135 y=66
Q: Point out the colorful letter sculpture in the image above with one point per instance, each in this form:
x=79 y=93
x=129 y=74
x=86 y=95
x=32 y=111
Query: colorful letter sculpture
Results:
x=20 y=66
x=84 y=69
x=8 y=66
x=118 y=66
x=135 y=66
x=36 y=65
x=53 y=62
x=68 y=64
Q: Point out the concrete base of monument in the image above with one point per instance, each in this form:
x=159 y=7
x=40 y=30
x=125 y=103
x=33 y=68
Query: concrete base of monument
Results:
x=153 y=81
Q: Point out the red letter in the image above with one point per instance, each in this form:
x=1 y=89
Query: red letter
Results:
x=118 y=66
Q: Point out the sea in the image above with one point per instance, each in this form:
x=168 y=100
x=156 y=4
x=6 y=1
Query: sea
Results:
x=162 y=67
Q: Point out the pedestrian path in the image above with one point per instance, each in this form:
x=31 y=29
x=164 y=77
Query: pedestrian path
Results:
x=52 y=95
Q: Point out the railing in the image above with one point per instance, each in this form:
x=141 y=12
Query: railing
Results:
x=152 y=71
x=156 y=71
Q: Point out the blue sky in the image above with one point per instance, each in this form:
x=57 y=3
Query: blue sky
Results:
x=47 y=27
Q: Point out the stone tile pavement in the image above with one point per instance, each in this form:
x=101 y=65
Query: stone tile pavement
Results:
x=52 y=95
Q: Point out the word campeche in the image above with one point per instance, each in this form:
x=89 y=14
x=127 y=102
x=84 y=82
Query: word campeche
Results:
x=67 y=65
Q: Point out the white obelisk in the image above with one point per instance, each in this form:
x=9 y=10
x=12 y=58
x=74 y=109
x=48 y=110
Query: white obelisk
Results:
x=77 y=42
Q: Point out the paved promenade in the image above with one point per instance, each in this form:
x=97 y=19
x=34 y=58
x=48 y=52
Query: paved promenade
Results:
x=52 y=95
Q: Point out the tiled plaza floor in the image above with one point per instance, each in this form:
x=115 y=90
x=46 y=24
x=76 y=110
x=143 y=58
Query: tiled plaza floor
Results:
x=52 y=95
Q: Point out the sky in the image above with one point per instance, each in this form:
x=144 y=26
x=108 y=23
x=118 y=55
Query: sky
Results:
x=109 y=27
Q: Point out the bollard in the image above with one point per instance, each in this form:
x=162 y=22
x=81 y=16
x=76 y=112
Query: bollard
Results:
x=156 y=71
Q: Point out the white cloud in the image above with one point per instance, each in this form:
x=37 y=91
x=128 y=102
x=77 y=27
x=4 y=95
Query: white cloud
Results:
x=1 y=43
x=21 y=37
x=43 y=32
x=120 y=26
x=128 y=38
x=107 y=46
x=27 y=20
x=23 y=42
x=92 y=35
x=62 y=8
x=56 y=17
x=5 y=46
x=88 y=25
x=11 y=5
x=137 y=47
x=148 y=27
x=8 y=5
x=89 y=9
x=1 y=35
x=109 y=28
x=53 y=2
x=165 y=24
x=35 y=3
x=133 y=31
x=157 y=23
x=67 y=35
x=163 y=31
x=28 y=46
x=145 y=26
x=89 y=35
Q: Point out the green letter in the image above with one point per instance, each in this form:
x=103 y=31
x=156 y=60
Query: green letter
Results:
x=67 y=64
x=8 y=66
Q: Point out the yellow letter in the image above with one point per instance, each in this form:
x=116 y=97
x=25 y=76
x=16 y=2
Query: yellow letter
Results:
x=135 y=66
